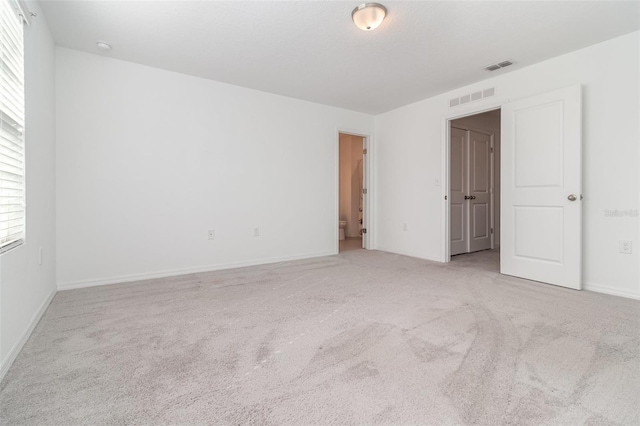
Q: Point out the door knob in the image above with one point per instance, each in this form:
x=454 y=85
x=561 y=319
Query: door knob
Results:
x=572 y=197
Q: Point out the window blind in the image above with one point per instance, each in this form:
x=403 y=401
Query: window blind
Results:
x=12 y=158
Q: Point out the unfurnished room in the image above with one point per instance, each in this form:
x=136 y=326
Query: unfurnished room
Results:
x=319 y=212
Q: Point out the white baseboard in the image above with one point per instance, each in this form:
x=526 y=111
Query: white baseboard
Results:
x=15 y=350
x=587 y=286
x=182 y=271
x=611 y=290
x=409 y=254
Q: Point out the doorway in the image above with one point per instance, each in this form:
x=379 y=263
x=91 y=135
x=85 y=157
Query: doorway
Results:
x=352 y=192
x=540 y=190
x=474 y=186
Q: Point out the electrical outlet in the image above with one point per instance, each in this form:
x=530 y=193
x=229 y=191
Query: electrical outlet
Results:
x=256 y=232
x=625 y=246
x=212 y=234
x=404 y=226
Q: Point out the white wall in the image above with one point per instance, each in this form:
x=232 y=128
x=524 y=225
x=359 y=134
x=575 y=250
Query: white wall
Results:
x=490 y=122
x=409 y=159
x=26 y=287
x=148 y=160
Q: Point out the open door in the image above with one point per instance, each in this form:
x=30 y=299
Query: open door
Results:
x=541 y=207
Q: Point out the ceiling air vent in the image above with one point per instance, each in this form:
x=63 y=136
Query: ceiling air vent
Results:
x=497 y=66
x=472 y=97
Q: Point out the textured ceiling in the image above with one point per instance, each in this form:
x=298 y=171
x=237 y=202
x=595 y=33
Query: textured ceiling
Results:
x=311 y=49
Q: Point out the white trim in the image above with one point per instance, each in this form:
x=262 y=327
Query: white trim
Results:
x=17 y=347
x=367 y=166
x=182 y=271
x=597 y=288
x=409 y=254
x=336 y=212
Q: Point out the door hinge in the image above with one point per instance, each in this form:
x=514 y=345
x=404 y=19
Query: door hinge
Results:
x=445 y=197
x=364 y=230
x=364 y=191
x=364 y=151
x=492 y=150
x=492 y=230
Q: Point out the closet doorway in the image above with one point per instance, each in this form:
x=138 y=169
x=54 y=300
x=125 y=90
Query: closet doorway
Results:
x=474 y=183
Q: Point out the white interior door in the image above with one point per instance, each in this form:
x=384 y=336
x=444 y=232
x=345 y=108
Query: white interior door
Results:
x=479 y=191
x=458 y=183
x=541 y=235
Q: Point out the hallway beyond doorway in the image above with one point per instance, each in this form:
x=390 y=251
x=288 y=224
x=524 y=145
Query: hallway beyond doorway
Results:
x=486 y=260
x=349 y=244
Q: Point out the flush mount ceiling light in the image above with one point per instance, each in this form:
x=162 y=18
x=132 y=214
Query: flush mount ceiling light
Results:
x=104 y=46
x=368 y=16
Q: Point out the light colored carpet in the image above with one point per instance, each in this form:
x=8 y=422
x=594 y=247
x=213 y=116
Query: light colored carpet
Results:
x=363 y=337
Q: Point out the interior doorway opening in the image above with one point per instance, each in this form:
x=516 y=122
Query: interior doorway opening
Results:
x=538 y=155
x=351 y=212
x=474 y=188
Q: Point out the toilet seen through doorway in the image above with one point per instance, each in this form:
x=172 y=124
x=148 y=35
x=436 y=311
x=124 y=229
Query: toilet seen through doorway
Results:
x=343 y=226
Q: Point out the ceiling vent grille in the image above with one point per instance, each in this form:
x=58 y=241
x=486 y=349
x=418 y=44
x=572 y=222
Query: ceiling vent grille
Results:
x=472 y=97
x=497 y=66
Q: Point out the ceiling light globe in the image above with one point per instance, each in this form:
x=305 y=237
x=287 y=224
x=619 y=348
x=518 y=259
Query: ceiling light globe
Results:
x=368 y=16
x=103 y=46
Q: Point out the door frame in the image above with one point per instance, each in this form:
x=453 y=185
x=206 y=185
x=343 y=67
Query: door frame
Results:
x=367 y=174
x=446 y=147
x=492 y=178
